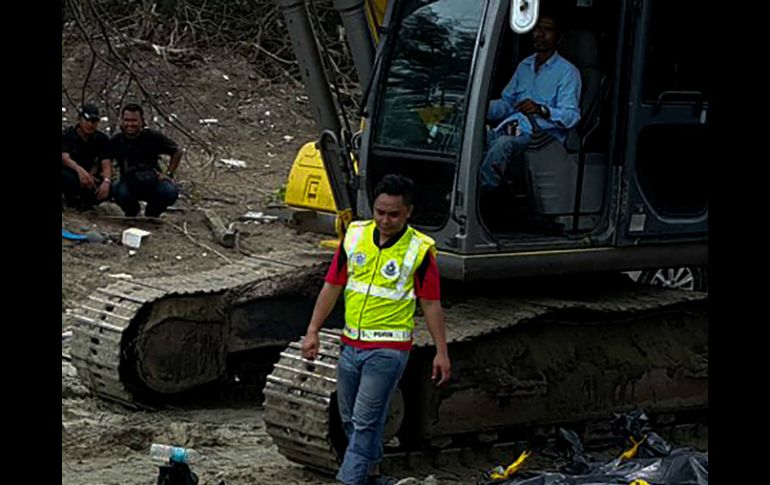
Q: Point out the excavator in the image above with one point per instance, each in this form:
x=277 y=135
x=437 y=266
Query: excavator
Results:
x=542 y=329
x=531 y=343
x=630 y=180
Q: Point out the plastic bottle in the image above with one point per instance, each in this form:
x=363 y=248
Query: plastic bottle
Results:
x=178 y=454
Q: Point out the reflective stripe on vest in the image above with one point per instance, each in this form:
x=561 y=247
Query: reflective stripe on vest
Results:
x=363 y=288
x=352 y=238
x=378 y=335
x=411 y=255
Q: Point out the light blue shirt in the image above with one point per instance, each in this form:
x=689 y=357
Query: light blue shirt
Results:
x=557 y=85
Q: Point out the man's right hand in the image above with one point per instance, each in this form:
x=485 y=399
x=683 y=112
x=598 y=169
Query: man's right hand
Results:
x=528 y=107
x=311 y=345
x=442 y=369
x=86 y=179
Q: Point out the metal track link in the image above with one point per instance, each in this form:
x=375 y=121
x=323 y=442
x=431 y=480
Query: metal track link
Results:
x=298 y=404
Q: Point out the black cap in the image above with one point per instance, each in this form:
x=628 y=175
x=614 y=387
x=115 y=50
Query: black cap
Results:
x=90 y=112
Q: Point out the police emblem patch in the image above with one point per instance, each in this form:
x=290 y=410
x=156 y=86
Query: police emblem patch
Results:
x=390 y=270
x=359 y=259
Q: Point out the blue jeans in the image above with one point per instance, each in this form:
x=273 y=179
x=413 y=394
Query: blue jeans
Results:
x=366 y=380
x=159 y=194
x=502 y=150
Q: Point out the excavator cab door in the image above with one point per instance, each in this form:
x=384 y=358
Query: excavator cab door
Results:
x=665 y=160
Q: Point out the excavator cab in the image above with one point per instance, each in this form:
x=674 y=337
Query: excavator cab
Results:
x=626 y=190
x=628 y=180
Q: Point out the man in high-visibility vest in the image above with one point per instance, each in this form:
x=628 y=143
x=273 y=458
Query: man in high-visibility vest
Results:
x=383 y=266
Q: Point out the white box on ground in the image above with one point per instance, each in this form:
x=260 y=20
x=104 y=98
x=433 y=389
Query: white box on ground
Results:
x=132 y=237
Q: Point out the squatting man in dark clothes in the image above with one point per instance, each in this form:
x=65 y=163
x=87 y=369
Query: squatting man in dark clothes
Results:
x=383 y=266
x=86 y=161
x=136 y=150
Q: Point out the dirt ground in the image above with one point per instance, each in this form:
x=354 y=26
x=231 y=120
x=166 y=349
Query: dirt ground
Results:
x=262 y=124
x=105 y=443
x=259 y=123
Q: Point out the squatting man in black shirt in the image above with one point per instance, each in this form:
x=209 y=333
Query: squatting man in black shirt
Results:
x=137 y=150
x=85 y=158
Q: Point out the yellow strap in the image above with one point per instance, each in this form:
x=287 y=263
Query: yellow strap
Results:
x=329 y=243
x=631 y=452
x=375 y=14
x=513 y=467
x=342 y=221
x=639 y=481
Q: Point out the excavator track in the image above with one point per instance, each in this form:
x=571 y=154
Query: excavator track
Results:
x=166 y=335
x=299 y=402
x=517 y=364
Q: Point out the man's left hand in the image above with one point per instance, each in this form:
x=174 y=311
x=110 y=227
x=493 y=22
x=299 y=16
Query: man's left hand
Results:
x=162 y=176
x=103 y=190
x=442 y=369
x=528 y=107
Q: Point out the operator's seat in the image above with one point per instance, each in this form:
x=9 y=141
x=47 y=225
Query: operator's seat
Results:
x=580 y=48
x=553 y=167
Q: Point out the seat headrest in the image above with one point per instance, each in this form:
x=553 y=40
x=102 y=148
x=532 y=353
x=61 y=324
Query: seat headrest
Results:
x=580 y=48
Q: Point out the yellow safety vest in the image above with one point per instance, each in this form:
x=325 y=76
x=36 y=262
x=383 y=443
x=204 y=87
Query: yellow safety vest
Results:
x=379 y=295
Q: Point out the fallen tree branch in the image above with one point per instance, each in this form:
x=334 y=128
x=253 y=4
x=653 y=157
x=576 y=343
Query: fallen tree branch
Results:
x=88 y=76
x=184 y=231
x=162 y=50
x=72 y=103
x=271 y=55
x=226 y=236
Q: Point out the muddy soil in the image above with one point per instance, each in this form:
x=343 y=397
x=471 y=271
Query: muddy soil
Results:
x=259 y=123
x=263 y=124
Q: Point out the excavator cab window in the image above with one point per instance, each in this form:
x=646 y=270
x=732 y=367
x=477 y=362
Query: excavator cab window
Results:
x=423 y=98
x=419 y=116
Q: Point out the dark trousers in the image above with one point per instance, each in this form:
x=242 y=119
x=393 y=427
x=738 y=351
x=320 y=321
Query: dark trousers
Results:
x=76 y=195
x=159 y=195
